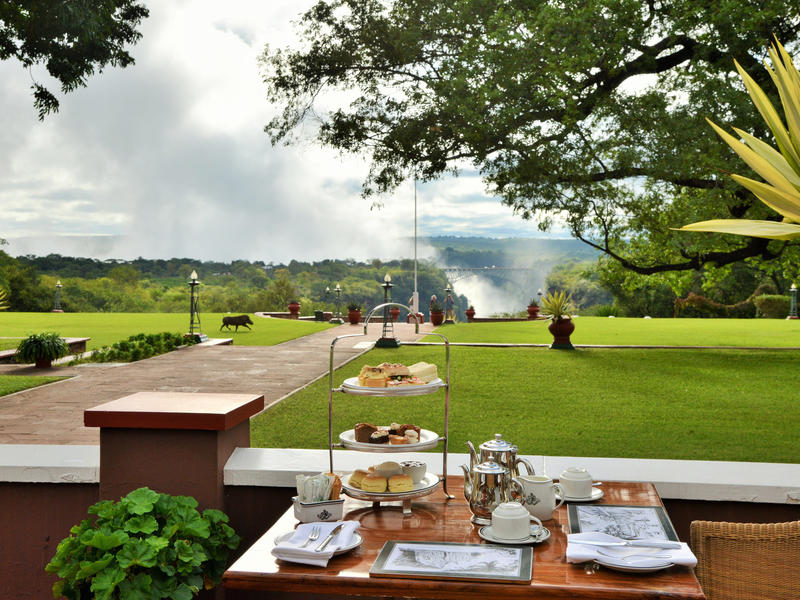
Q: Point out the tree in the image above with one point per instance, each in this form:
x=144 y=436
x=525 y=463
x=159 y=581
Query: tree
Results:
x=72 y=38
x=587 y=113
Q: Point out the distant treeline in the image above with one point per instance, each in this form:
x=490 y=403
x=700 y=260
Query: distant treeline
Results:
x=144 y=285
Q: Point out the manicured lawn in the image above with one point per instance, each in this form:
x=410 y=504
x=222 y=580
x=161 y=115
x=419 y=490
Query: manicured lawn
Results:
x=738 y=405
x=107 y=328
x=8 y=344
x=15 y=383
x=625 y=331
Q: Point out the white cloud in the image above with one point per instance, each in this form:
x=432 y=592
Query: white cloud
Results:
x=168 y=158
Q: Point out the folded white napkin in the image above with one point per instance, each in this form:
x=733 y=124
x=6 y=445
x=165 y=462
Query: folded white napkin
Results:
x=290 y=549
x=578 y=553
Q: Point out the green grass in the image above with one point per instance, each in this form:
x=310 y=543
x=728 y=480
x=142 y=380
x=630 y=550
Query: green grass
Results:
x=627 y=331
x=738 y=405
x=8 y=344
x=16 y=383
x=107 y=328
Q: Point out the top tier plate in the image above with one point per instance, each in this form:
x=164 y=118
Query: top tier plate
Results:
x=350 y=386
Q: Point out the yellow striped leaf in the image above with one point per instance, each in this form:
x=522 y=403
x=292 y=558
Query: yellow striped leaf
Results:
x=761 y=229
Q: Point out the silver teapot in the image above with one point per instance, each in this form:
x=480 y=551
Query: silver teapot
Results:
x=486 y=485
x=499 y=451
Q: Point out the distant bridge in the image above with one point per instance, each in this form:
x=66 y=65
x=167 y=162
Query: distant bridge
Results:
x=456 y=273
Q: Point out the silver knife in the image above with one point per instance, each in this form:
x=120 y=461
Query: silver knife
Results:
x=639 y=543
x=331 y=535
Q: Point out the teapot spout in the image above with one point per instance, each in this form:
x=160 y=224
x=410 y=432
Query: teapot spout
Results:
x=473 y=455
x=467 y=482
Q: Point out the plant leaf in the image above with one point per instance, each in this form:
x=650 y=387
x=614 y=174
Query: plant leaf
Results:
x=141 y=501
x=90 y=568
x=136 y=552
x=755 y=161
x=142 y=524
x=105 y=539
x=762 y=229
x=771 y=116
x=768 y=153
x=787 y=205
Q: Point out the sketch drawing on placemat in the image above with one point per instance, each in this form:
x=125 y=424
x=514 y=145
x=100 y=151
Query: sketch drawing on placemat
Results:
x=626 y=522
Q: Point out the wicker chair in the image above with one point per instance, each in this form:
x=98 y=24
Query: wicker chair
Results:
x=747 y=561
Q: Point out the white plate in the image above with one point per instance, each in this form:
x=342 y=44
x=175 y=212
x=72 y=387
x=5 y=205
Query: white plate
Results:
x=596 y=495
x=430 y=481
x=645 y=565
x=355 y=542
x=427 y=439
x=351 y=386
x=486 y=533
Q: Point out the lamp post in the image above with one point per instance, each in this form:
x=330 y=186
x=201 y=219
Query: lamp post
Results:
x=338 y=317
x=387 y=339
x=194 y=316
x=57 y=303
x=793 y=305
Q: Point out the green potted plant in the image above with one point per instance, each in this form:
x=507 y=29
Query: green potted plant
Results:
x=146 y=545
x=42 y=349
x=558 y=306
x=533 y=309
x=3 y=299
x=437 y=314
x=354 y=313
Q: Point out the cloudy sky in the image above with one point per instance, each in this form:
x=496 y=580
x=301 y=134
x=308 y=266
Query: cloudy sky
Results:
x=168 y=158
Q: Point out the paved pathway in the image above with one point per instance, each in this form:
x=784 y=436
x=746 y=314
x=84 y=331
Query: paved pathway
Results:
x=53 y=414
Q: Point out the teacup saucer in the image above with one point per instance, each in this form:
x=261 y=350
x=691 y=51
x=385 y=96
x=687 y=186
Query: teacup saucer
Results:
x=596 y=495
x=486 y=534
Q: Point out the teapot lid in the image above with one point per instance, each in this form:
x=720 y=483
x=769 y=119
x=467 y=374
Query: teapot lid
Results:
x=490 y=467
x=498 y=444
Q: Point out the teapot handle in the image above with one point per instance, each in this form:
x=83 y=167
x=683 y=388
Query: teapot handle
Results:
x=525 y=462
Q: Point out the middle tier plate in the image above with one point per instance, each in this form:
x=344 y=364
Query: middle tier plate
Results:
x=350 y=386
x=427 y=440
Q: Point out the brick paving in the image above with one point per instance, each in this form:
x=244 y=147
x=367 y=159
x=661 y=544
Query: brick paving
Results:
x=53 y=414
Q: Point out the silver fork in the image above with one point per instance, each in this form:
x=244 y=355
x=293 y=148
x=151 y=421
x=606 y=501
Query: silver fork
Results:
x=311 y=536
x=629 y=556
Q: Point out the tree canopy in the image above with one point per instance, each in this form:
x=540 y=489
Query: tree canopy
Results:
x=71 y=38
x=585 y=113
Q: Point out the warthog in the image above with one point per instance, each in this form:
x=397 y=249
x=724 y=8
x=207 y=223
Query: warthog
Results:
x=242 y=320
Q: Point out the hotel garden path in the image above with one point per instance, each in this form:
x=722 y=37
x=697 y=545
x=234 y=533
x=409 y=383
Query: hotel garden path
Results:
x=53 y=414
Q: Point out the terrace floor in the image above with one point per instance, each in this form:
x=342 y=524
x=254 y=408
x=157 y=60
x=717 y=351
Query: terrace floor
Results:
x=53 y=414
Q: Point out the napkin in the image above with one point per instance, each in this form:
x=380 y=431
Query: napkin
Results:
x=578 y=553
x=290 y=550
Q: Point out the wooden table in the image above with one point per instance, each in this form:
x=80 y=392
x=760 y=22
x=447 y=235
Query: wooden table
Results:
x=435 y=519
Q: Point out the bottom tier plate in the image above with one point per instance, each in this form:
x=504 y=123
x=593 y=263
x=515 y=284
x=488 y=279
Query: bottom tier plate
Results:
x=423 y=488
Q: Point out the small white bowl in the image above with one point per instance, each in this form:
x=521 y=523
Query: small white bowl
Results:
x=576 y=482
x=328 y=510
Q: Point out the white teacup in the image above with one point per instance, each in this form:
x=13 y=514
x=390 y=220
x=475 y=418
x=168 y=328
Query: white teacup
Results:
x=576 y=482
x=512 y=521
x=538 y=495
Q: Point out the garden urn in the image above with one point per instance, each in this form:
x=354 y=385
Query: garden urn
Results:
x=470 y=312
x=561 y=329
x=294 y=309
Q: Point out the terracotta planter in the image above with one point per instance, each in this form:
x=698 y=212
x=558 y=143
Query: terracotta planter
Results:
x=533 y=312
x=43 y=363
x=470 y=312
x=420 y=316
x=394 y=313
x=437 y=318
x=561 y=330
x=294 y=309
x=354 y=316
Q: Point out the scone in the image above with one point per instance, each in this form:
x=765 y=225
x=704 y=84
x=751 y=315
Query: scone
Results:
x=336 y=486
x=357 y=477
x=374 y=483
x=400 y=483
